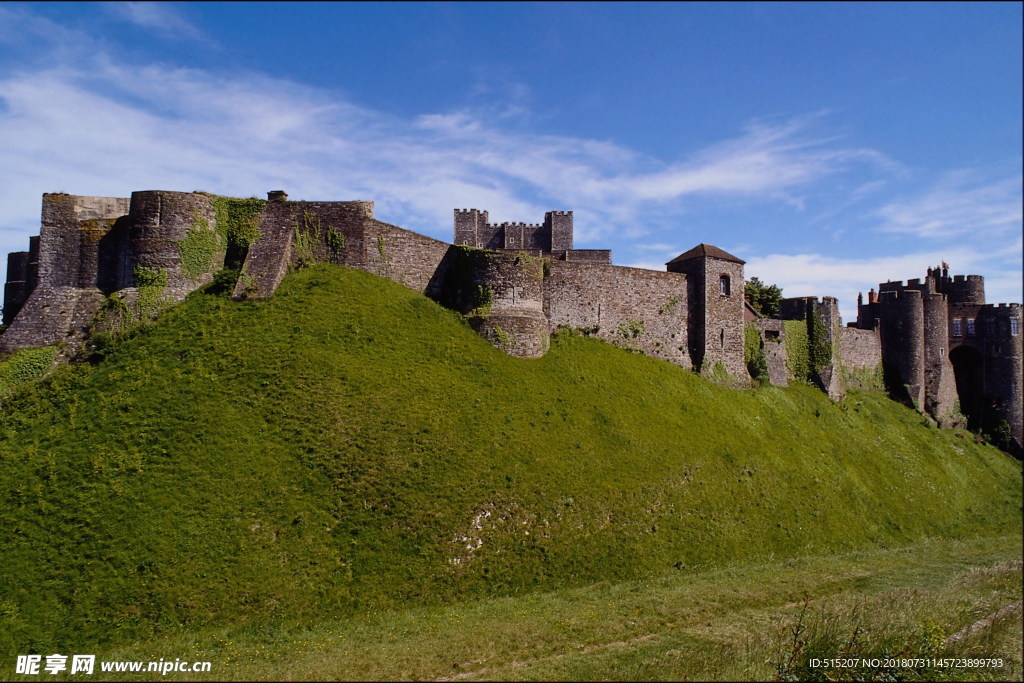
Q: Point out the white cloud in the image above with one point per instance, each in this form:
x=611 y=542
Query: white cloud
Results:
x=106 y=128
x=767 y=159
x=821 y=275
x=87 y=123
x=159 y=16
x=962 y=204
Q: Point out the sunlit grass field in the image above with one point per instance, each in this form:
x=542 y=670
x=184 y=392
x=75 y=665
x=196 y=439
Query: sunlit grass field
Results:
x=349 y=455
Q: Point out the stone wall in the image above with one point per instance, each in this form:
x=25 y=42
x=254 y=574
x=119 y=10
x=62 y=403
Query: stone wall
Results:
x=165 y=225
x=860 y=349
x=408 y=258
x=505 y=301
x=297 y=233
x=901 y=316
x=1004 y=364
x=345 y=233
x=633 y=308
x=555 y=234
x=773 y=339
x=63 y=270
x=940 y=396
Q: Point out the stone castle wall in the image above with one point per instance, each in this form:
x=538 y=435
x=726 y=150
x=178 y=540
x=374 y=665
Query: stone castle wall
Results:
x=635 y=308
x=860 y=349
x=518 y=282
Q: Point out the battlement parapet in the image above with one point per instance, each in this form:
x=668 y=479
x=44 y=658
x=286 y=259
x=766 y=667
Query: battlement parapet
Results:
x=900 y=295
x=1007 y=307
x=795 y=308
x=587 y=255
x=514 y=224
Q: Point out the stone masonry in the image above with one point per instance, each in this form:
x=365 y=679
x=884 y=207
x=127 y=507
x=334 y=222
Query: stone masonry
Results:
x=941 y=346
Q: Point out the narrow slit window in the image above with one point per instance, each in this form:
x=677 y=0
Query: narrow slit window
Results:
x=723 y=285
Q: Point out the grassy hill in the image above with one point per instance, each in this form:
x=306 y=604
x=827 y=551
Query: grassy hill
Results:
x=350 y=446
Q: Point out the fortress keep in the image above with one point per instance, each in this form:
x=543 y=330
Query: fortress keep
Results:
x=940 y=346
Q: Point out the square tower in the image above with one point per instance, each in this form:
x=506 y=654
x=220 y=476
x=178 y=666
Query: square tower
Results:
x=715 y=282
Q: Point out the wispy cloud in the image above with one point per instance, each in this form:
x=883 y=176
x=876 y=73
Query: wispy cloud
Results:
x=89 y=126
x=844 y=278
x=87 y=123
x=766 y=159
x=161 y=17
x=964 y=203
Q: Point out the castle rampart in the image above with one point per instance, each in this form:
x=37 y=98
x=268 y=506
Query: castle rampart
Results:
x=634 y=308
x=937 y=341
x=860 y=349
x=506 y=300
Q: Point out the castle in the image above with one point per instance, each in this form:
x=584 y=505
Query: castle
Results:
x=938 y=344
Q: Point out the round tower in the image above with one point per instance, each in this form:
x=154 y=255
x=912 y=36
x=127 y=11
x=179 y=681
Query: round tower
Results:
x=940 y=384
x=902 y=333
x=968 y=290
x=506 y=301
x=175 y=233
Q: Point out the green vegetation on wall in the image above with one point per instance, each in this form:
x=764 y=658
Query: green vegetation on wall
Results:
x=753 y=354
x=631 y=329
x=335 y=242
x=237 y=224
x=198 y=251
x=483 y=301
x=306 y=240
x=798 y=355
x=504 y=338
x=808 y=347
x=819 y=341
x=150 y=283
x=865 y=379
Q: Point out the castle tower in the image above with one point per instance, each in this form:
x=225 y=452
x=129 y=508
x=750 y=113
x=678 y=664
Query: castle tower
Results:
x=964 y=291
x=715 y=297
x=63 y=270
x=15 y=290
x=1000 y=335
x=174 y=232
x=470 y=225
x=505 y=300
x=558 y=225
x=902 y=321
x=939 y=382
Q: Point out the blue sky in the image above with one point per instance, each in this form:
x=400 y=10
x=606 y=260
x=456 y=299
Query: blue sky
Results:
x=831 y=146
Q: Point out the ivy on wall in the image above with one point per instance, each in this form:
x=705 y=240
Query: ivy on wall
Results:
x=238 y=225
x=753 y=353
x=198 y=251
x=151 y=283
x=798 y=357
x=307 y=239
x=809 y=348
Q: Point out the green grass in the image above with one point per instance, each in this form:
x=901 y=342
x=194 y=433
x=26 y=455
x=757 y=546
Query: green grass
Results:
x=728 y=624
x=348 y=447
x=25 y=367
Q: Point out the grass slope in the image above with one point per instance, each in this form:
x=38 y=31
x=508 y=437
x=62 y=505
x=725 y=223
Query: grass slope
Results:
x=350 y=446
